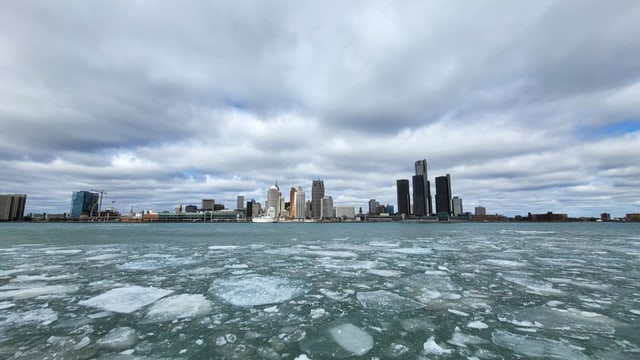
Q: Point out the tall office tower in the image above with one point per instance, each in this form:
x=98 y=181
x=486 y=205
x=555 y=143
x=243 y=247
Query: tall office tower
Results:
x=240 y=202
x=208 y=204
x=12 y=207
x=292 y=202
x=84 y=203
x=273 y=199
x=404 y=202
x=317 y=193
x=421 y=190
x=373 y=207
x=456 y=203
x=327 y=207
x=443 y=194
x=300 y=204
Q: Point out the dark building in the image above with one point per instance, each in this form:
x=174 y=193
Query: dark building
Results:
x=191 y=209
x=404 y=202
x=317 y=193
x=443 y=194
x=12 y=207
x=421 y=190
x=207 y=204
x=84 y=203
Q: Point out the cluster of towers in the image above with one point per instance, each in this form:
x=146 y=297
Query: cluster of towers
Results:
x=422 y=205
x=298 y=207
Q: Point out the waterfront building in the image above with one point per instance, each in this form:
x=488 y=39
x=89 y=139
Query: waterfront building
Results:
x=404 y=202
x=240 y=202
x=307 y=209
x=345 y=212
x=84 y=203
x=374 y=206
x=207 y=204
x=12 y=207
x=421 y=190
x=292 y=202
x=273 y=199
x=317 y=193
x=456 y=203
x=480 y=211
x=300 y=204
x=327 y=207
x=191 y=209
x=443 y=194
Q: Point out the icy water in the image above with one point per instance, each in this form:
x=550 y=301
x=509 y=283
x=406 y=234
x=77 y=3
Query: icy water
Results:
x=320 y=291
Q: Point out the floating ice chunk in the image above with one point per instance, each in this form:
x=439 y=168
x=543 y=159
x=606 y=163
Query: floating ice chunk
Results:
x=126 y=299
x=351 y=338
x=536 y=347
x=38 y=317
x=155 y=262
x=179 y=307
x=223 y=247
x=554 y=303
x=31 y=292
x=477 y=325
x=118 y=338
x=385 y=273
x=348 y=264
x=338 y=254
x=104 y=257
x=461 y=339
x=457 y=312
x=413 y=251
x=302 y=357
x=336 y=295
x=383 y=300
x=317 y=313
x=6 y=305
x=62 y=251
x=634 y=311
x=431 y=347
x=504 y=263
x=533 y=286
x=85 y=341
x=256 y=290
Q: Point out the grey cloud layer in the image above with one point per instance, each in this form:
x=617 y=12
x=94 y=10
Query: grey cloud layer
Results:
x=206 y=98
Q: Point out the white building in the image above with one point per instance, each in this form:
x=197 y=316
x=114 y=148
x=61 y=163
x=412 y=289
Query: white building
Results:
x=345 y=212
x=273 y=199
x=457 y=206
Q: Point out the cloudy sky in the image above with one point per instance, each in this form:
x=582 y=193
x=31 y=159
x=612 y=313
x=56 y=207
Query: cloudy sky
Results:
x=529 y=105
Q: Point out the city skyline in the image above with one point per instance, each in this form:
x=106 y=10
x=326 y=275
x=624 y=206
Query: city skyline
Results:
x=530 y=106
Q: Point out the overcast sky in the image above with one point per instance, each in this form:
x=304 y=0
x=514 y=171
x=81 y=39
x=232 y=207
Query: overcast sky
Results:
x=529 y=105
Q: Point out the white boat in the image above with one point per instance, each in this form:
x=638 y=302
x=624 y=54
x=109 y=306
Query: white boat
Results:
x=269 y=217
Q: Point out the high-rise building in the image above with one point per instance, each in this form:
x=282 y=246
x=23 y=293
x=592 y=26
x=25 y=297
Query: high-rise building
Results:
x=456 y=203
x=300 y=204
x=84 y=203
x=292 y=202
x=327 y=207
x=208 y=204
x=443 y=194
x=273 y=199
x=480 y=211
x=12 y=207
x=240 y=202
x=373 y=207
x=404 y=202
x=421 y=190
x=317 y=193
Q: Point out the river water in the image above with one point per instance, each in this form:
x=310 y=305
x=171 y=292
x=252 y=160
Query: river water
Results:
x=320 y=291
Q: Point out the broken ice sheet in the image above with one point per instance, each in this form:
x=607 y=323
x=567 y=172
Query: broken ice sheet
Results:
x=386 y=301
x=179 y=307
x=126 y=299
x=256 y=290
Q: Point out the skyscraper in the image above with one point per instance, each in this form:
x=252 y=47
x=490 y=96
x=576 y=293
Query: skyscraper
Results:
x=84 y=203
x=292 y=202
x=327 y=207
x=300 y=204
x=456 y=204
x=421 y=190
x=273 y=199
x=12 y=207
x=317 y=193
x=240 y=202
x=404 y=202
x=443 y=194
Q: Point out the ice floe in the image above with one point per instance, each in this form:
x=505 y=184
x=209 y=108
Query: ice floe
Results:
x=256 y=290
x=383 y=300
x=119 y=338
x=37 y=317
x=536 y=347
x=351 y=338
x=36 y=291
x=179 y=307
x=432 y=347
x=126 y=299
x=413 y=251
